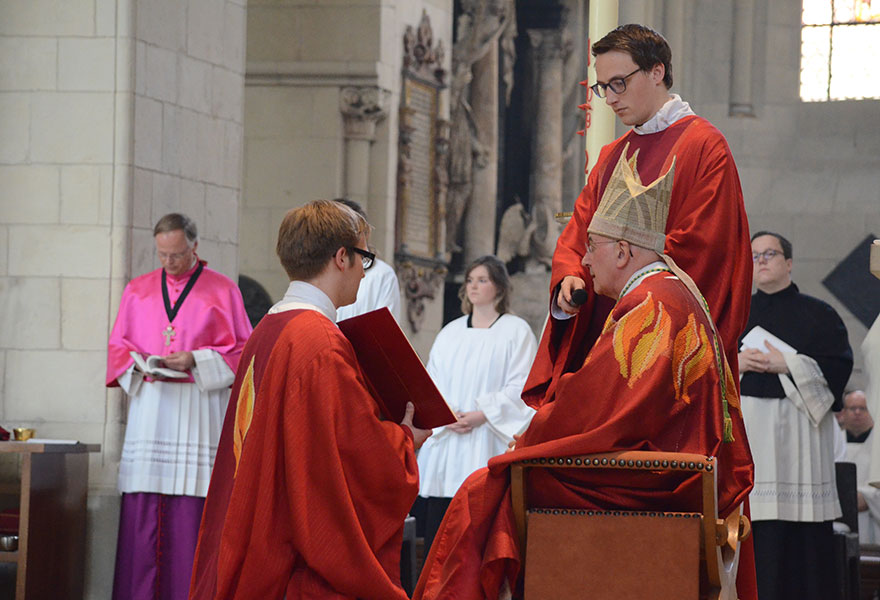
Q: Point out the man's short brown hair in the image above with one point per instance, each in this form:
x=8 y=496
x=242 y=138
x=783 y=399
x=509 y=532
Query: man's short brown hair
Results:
x=645 y=46
x=177 y=222
x=310 y=235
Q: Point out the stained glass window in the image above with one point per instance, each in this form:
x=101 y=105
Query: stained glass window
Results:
x=840 y=50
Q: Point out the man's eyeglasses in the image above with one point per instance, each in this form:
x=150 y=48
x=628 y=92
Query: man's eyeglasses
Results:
x=367 y=257
x=617 y=85
x=591 y=245
x=767 y=255
x=174 y=257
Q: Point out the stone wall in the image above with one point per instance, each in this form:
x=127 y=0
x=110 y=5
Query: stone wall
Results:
x=300 y=56
x=112 y=113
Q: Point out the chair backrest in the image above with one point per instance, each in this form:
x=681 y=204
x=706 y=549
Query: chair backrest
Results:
x=848 y=494
x=622 y=554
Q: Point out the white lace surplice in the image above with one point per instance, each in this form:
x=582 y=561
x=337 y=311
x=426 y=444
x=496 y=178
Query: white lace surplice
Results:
x=792 y=441
x=476 y=369
x=174 y=428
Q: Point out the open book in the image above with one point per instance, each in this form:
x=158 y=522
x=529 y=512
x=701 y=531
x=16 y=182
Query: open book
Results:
x=151 y=366
x=395 y=374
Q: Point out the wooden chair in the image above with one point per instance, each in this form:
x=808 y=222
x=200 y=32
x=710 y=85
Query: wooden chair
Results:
x=846 y=544
x=617 y=554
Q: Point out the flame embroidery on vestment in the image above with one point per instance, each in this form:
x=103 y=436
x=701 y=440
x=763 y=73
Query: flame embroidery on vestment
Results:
x=640 y=338
x=692 y=357
x=244 y=413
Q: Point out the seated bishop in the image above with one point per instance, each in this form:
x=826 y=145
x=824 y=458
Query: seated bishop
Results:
x=656 y=379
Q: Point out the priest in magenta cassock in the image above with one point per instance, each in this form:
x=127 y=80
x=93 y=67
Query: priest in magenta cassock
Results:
x=195 y=319
x=311 y=486
x=656 y=379
x=707 y=232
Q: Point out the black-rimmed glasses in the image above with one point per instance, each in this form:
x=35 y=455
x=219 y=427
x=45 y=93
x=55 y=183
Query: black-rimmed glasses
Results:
x=367 y=257
x=617 y=85
x=767 y=255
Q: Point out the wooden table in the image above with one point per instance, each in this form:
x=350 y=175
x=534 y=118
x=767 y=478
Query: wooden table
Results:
x=50 y=484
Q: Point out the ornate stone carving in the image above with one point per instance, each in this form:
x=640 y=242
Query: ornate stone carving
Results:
x=422 y=171
x=362 y=108
x=419 y=283
x=550 y=44
x=420 y=57
x=480 y=26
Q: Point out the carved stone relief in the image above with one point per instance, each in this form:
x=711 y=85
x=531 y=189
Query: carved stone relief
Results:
x=422 y=178
x=481 y=25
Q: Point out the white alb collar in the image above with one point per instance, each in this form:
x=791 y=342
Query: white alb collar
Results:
x=303 y=295
x=674 y=109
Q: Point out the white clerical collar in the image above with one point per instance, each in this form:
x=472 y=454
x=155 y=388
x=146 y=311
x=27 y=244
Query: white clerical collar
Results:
x=639 y=276
x=303 y=295
x=674 y=109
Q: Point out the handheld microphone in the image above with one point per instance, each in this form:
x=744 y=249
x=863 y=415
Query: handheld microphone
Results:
x=578 y=297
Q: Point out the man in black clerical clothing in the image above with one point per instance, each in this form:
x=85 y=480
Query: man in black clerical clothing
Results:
x=794 y=360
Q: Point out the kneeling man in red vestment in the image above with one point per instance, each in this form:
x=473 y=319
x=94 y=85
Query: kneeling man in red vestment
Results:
x=310 y=488
x=656 y=379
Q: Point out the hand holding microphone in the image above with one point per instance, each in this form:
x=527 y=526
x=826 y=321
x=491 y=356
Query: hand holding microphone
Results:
x=573 y=288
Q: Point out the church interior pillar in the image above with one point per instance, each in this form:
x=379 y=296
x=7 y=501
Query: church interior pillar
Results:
x=741 y=65
x=362 y=108
x=603 y=18
x=479 y=226
x=549 y=49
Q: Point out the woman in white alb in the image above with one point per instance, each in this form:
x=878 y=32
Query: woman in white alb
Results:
x=479 y=362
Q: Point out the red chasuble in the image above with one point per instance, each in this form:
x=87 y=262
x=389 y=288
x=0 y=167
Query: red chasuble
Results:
x=310 y=488
x=651 y=382
x=707 y=234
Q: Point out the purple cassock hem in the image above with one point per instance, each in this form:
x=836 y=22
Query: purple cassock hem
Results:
x=156 y=546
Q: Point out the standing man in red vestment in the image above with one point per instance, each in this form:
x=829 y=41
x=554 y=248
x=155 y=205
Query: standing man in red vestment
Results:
x=311 y=487
x=707 y=233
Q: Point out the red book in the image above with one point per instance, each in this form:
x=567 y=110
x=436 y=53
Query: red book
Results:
x=393 y=370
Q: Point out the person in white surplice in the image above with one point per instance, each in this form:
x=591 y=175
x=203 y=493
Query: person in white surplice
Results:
x=479 y=362
x=859 y=426
x=379 y=286
x=194 y=319
x=795 y=360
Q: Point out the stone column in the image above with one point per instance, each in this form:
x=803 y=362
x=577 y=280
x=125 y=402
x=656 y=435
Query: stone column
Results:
x=362 y=108
x=603 y=18
x=549 y=48
x=479 y=220
x=741 y=64
x=674 y=26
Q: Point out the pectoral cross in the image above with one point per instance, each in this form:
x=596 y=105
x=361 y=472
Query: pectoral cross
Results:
x=169 y=333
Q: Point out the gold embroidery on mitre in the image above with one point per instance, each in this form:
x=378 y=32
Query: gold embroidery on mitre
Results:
x=244 y=413
x=640 y=338
x=631 y=211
